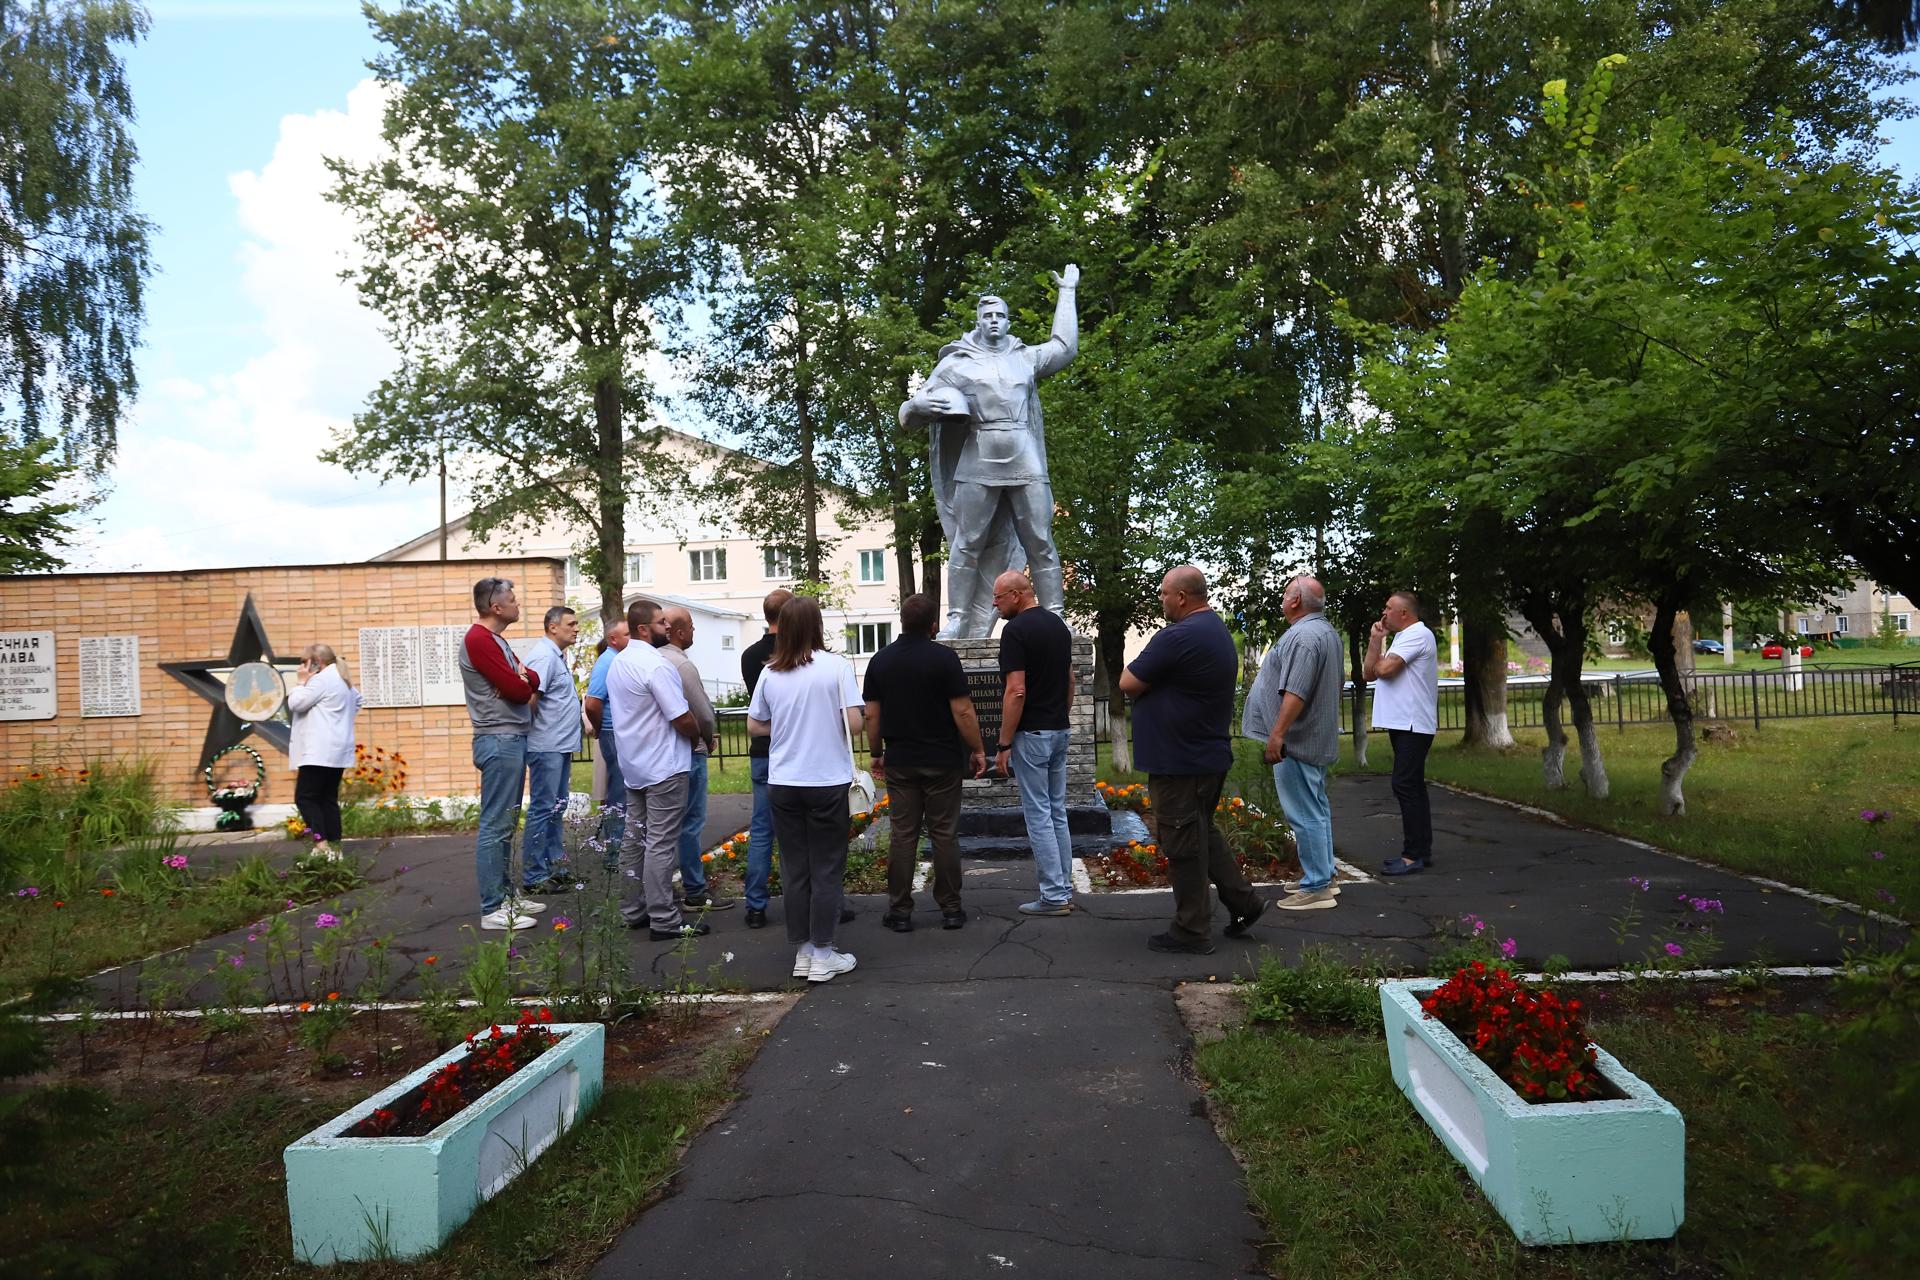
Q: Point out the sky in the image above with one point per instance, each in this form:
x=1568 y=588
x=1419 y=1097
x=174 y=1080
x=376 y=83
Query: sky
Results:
x=256 y=352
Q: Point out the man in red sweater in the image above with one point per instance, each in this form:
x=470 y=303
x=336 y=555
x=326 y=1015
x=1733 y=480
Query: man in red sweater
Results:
x=500 y=693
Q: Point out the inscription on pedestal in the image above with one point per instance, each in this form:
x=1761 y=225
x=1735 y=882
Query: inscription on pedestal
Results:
x=987 y=690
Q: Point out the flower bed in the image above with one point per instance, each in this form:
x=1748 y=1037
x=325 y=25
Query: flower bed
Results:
x=459 y=1084
x=352 y=1197
x=1606 y=1165
x=1262 y=845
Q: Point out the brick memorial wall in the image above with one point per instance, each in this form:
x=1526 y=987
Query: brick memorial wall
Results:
x=81 y=655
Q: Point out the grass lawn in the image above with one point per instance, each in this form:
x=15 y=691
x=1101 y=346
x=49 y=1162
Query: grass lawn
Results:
x=1782 y=802
x=724 y=777
x=1351 y=1182
x=182 y=1175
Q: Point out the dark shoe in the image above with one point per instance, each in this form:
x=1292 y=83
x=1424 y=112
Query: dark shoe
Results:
x=697 y=930
x=1180 y=946
x=953 y=919
x=707 y=902
x=1404 y=866
x=756 y=917
x=1239 y=926
x=899 y=924
x=847 y=915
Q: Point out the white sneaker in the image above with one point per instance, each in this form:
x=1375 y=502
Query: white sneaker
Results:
x=528 y=906
x=828 y=963
x=1293 y=886
x=803 y=960
x=502 y=919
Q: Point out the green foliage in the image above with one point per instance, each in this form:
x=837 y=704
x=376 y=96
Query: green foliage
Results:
x=1320 y=989
x=56 y=821
x=523 y=319
x=30 y=527
x=73 y=252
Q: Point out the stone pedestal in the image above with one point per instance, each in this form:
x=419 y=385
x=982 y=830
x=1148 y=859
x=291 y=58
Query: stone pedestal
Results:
x=991 y=824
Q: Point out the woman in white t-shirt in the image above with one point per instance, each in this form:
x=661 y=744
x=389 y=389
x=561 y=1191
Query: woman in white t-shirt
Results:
x=807 y=703
x=324 y=705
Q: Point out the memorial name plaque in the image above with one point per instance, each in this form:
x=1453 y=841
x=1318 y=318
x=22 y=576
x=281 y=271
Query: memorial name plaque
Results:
x=26 y=676
x=390 y=666
x=440 y=684
x=109 y=675
x=987 y=691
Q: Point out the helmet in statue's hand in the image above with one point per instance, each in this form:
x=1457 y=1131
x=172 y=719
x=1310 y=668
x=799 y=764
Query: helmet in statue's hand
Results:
x=948 y=402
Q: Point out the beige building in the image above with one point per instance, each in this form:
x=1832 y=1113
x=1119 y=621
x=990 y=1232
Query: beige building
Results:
x=679 y=551
x=1855 y=614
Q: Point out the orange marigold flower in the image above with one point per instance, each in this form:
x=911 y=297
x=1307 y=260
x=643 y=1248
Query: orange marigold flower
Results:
x=433 y=959
x=305 y=1005
x=333 y=995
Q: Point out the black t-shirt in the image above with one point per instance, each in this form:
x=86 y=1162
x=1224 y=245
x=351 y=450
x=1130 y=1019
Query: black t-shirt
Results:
x=753 y=660
x=1038 y=643
x=1183 y=723
x=914 y=680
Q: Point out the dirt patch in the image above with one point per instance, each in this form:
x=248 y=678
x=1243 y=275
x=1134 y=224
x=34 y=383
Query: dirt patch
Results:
x=1209 y=1009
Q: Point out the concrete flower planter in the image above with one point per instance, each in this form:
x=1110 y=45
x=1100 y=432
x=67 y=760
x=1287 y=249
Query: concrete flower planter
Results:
x=356 y=1198
x=1558 y=1172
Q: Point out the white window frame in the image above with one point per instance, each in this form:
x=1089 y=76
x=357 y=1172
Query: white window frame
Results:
x=1903 y=623
x=707 y=564
x=1842 y=624
x=1805 y=629
x=878 y=561
x=859 y=634
x=726 y=642
x=573 y=571
x=639 y=568
x=779 y=564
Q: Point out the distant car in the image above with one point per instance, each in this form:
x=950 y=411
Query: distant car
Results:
x=1773 y=651
x=1703 y=645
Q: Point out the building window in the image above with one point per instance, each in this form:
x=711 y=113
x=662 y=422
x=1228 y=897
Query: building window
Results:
x=779 y=564
x=639 y=567
x=573 y=571
x=870 y=637
x=1803 y=625
x=707 y=565
x=1843 y=624
x=726 y=642
x=1902 y=622
x=873 y=566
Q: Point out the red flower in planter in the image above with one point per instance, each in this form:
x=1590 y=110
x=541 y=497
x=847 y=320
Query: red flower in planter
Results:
x=1533 y=1040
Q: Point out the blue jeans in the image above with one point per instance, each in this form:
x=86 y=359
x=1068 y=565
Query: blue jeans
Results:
x=1303 y=798
x=759 y=836
x=543 y=854
x=1039 y=765
x=693 y=873
x=501 y=759
x=613 y=803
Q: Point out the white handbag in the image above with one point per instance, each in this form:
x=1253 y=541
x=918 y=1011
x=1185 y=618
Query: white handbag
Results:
x=860 y=792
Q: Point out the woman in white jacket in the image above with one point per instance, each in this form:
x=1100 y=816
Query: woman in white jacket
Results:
x=324 y=705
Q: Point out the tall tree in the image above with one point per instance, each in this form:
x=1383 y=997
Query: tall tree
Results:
x=31 y=526
x=514 y=245
x=73 y=248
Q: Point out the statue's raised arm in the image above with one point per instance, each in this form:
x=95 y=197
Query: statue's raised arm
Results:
x=990 y=454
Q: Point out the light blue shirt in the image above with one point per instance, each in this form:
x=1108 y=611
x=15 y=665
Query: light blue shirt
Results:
x=556 y=715
x=597 y=679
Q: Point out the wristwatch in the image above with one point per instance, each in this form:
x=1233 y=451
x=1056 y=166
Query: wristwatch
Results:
x=1005 y=746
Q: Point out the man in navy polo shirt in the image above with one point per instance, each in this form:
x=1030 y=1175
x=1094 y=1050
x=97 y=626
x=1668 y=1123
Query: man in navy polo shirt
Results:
x=1182 y=686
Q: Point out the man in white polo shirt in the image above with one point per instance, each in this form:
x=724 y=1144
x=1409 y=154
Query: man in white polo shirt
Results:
x=653 y=729
x=1406 y=700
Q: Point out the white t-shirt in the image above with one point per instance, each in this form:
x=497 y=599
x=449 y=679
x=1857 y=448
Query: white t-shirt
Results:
x=1409 y=698
x=644 y=697
x=807 y=709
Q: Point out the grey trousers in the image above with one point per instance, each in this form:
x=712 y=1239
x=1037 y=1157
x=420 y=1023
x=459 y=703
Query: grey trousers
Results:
x=650 y=853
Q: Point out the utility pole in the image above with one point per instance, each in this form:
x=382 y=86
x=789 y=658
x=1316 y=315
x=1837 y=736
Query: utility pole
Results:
x=443 y=500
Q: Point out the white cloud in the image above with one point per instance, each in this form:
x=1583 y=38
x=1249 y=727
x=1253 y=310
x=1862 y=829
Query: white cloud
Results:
x=225 y=471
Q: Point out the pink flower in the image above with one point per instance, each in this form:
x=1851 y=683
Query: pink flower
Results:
x=1675 y=949
x=1874 y=815
x=1509 y=948
x=325 y=920
x=177 y=862
x=1877 y=855
x=28 y=892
